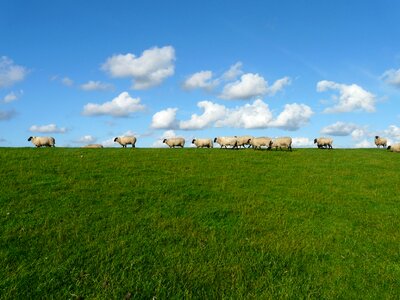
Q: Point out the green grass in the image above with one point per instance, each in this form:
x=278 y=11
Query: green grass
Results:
x=199 y=223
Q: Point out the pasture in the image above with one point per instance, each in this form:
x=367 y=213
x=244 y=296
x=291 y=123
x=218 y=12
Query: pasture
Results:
x=199 y=223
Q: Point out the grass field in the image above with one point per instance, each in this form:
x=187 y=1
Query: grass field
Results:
x=199 y=223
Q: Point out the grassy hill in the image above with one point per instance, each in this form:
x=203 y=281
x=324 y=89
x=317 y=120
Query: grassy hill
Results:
x=199 y=223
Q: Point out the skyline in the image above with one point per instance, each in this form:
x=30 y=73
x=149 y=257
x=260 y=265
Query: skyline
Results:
x=88 y=72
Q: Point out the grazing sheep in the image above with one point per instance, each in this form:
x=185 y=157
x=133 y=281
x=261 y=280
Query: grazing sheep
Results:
x=203 y=143
x=126 y=140
x=226 y=141
x=323 y=142
x=175 y=142
x=243 y=140
x=45 y=141
x=93 y=146
x=285 y=142
x=394 y=148
x=380 y=141
x=258 y=142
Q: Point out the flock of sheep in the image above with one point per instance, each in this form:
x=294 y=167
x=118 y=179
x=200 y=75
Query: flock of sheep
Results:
x=234 y=142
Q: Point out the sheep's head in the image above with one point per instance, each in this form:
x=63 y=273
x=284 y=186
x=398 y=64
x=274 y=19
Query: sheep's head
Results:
x=116 y=139
x=315 y=141
x=30 y=138
x=215 y=140
x=164 y=140
x=389 y=147
x=377 y=137
x=248 y=141
x=193 y=141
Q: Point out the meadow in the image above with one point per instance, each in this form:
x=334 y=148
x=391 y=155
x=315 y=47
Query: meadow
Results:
x=199 y=224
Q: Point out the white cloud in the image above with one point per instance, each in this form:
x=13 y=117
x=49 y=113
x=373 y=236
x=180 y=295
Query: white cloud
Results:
x=293 y=117
x=392 y=77
x=233 y=72
x=200 y=80
x=352 y=97
x=254 y=115
x=148 y=70
x=121 y=106
x=6 y=115
x=50 y=128
x=12 y=96
x=211 y=113
x=67 y=81
x=340 y=129
x=164 y=119
x=365 y=144
x=86 y=139
x=299 y=142
x=96 y=86
x=251 y=85
x=10 y=73
x=393 y=131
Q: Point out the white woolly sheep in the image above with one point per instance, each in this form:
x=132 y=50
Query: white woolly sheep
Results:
x=243 y=140
x=203 y=143
x=93 y=146
x=285 y=142
x=126 y=140
x=323 y=142
x=175 y=142
x=259 y=142
x=42 y=141
x=226 y=141
x=379 y=141
x=394 y=148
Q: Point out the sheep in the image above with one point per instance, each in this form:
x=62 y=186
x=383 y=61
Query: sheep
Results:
x=258 y=142
x=40 y=141
x=243 y=140
x=280 y=142
x=323 y=142
x=394 y=147
x=93 y=146
x=175 y=142
x=380 y=141
x=125 y=140
x=226 y=141
x=202 y=143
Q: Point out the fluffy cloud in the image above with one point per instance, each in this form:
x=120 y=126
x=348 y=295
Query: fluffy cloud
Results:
x=233 y=72
x=121 y=106
x=86 y=139
x=392 y=77
x=51 y=128
x=67 y=81
x=250 y=115
x=352 y=97
x=211 y=113
x=164 y=119
x=200 y=80
x=96 y=86
x=393 y=131
x=299 y=142
x=12 y=96
x=293 y=117
x=7 y=115
x=365 y=144
x=148 y=70
x=251 y=85
x=341 y=129
x=10 y=73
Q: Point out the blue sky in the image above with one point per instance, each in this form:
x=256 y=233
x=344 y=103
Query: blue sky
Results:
x=88 y=71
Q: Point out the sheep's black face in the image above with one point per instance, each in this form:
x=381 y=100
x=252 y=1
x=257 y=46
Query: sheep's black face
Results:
x=389 y=147
x=377 y=137
x=193 y=141
x=164 y=140
x=30 y=139
x=115 y=139
x=315 y=141
x=248 y=141
x=215 y=140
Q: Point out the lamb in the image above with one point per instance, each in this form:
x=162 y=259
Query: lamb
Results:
x=394 y=147
x=258 y=142
x=203 y=143
x=323 y=142
x=175 y=142
x=243 y=140
x=380 y=141
x=285 y=142
x=226 y=141
x=126 y=140
x=93 y=146
x=40 y=141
